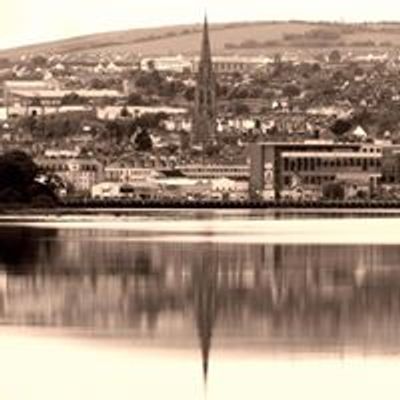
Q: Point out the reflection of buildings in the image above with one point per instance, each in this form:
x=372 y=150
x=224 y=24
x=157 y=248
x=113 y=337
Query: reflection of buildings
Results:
x=345 y=295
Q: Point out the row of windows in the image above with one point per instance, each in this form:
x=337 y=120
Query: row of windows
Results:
x=213 y=176
x=371 y=150
x=215 y=170
x=310 y=180
x=311 y=164
x=229 y=66
x=64 y=167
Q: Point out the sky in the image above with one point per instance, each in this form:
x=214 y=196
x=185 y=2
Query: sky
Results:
x=27 y=21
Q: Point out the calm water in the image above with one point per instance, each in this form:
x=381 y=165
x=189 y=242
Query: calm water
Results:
x=194 y=306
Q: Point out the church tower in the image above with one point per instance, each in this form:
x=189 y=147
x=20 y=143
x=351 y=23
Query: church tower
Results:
x=205 y=107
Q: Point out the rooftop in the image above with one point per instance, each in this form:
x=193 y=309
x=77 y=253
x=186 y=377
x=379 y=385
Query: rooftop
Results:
x=61 y=93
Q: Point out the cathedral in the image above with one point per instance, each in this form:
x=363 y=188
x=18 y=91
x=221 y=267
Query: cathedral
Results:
x=205 y=107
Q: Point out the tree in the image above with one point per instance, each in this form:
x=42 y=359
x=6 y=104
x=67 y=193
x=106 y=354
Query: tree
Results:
x=335 y=57
x=97 y=84
x=291 y=90
x=143 y=141
x=151 y=65
x=39 y=61
x=341 y=126
x=333 y=191
x=189 y=94
x=17 y=180
x=72 y=99
x=125 y=113
x=239 y=108
x=136 y=99
x=17 y=171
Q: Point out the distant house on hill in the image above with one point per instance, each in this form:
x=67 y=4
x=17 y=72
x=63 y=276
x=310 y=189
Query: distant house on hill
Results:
x=359 y=133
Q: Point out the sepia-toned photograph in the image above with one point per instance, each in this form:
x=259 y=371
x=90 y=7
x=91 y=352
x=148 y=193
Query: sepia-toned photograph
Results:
x=199 y=200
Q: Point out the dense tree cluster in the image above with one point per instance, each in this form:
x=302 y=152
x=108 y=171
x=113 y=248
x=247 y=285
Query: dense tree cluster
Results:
x=18 y=184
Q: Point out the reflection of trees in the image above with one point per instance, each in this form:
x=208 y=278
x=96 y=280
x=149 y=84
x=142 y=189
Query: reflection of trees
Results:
x=22 y=249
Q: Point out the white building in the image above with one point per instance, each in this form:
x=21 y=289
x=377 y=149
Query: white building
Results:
x=114 y=112
x=168 y=64
x=127 y=172
x=235 y=64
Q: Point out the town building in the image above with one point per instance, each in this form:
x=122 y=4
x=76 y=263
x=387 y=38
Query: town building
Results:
x=125 y=171
x=205 y=107
x=139 y=190
x=280 y=170
x=235 y=64
x=11 y=87
x=391 y=165
x=214 y=171
x=110 y=113
x=45 y=101
x=78 y=173
x=177 y=64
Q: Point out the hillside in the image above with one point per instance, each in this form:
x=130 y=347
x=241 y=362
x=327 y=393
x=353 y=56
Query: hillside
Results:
x=237 y=38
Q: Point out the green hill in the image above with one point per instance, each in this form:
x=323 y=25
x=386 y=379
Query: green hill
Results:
x=236 y=38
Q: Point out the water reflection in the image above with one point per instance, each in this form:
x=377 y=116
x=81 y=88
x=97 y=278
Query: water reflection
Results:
x=23 y=249
x=273 y=298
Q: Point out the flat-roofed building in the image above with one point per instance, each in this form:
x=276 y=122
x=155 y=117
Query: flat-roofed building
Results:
x=22 y=86
x=25 y=101
x=279 y=167
x=215 y=171
x=125 y=171
x=115 y=112
x=391 y=165
x=235 y=64
x=178 y=64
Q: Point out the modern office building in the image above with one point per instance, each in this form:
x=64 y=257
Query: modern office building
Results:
x=279 y=168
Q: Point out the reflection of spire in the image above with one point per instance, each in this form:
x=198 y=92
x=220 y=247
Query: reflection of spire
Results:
x=3 y=293
x=205 y=305
x=278 y=279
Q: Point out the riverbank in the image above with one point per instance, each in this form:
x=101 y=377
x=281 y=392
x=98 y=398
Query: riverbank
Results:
x=127 y=207
x=39 y=214
x=227 y=204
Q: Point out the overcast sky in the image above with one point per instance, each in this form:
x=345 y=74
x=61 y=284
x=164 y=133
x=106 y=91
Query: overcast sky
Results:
x=31 y=21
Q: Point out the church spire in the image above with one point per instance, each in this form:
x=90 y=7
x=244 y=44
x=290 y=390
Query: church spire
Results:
x=205 y=57
x=204 y=118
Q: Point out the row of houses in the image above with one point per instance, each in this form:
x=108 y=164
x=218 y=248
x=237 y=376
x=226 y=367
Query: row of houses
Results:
x=125 y=179
x=275 y=171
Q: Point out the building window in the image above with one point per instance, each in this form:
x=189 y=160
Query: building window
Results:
x=286 y=164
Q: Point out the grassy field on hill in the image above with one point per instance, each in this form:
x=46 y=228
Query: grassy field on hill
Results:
x=234 y=38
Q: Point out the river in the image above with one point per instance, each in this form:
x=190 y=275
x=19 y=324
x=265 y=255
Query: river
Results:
x=199 y=305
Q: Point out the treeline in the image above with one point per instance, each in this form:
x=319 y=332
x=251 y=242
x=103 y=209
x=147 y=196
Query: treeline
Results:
x=318 y=37
x=255 y=44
